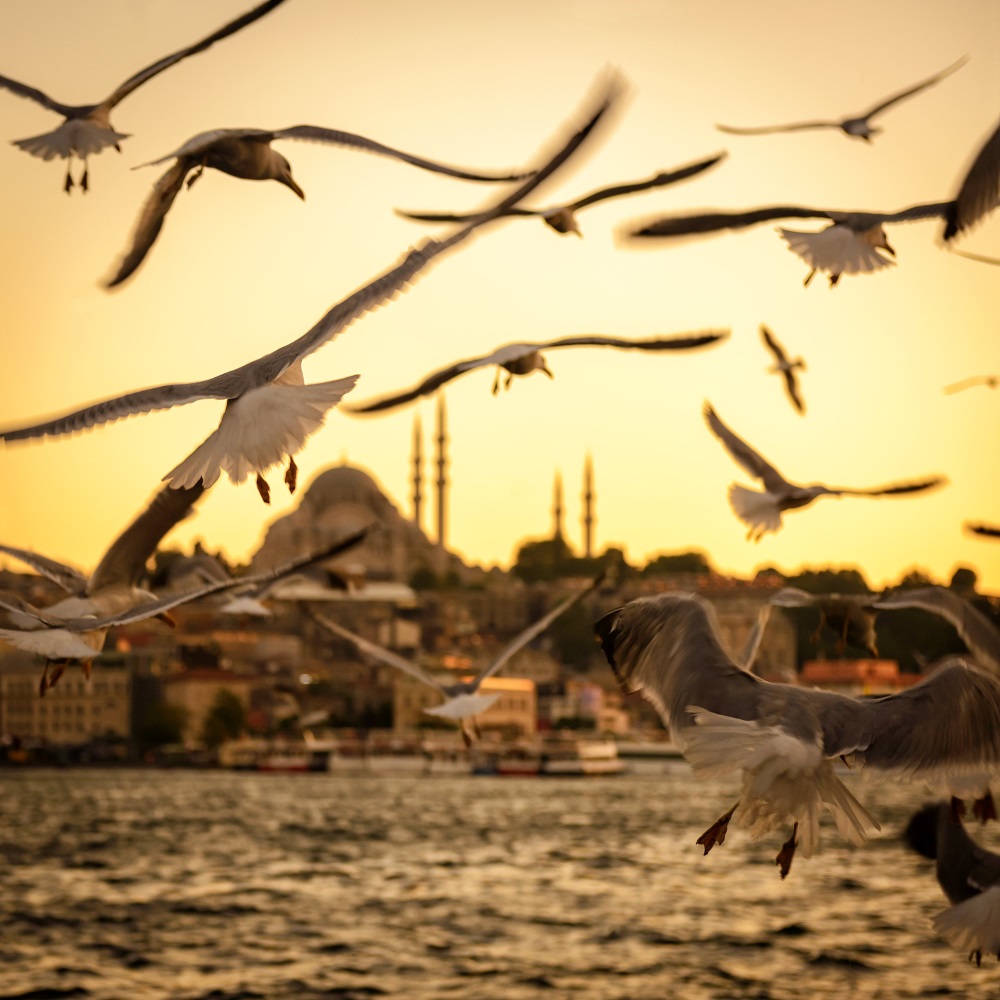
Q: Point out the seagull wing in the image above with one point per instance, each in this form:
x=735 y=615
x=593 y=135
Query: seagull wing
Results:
x=710 y=222
x=154 y=211
x=975 y=629
x=890 y=490
x=33 y=94
x=532 y=631
x=312 y=133
x=125 y=560
x=972 y=380
x=985 y=530
x=769 y=129
x=661 y=179
x=755 y=464
x=426 y=387
x=683 y=342
x=461 y=216
x=752 y=646
x=138 y=79
x=915 y=89
x=377 y=652
x=792 y=388
x=71 y=580
x=979 y=192
x=772 y=343
x=19 y=607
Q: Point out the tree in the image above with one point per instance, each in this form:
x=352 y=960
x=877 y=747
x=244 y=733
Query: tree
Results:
x=683 y=562
x=226 y=720
x=964 y=580
x=162 y=724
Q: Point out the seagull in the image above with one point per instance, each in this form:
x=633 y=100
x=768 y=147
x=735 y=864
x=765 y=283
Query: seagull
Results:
x=87 y=128
x=785 y=367
x=247 y=153
x=969 y=875
x=462 y=699
x=785 y=738
x=112 y=587
x=859 y=126
x=851 y=615
x=75 y=629
x=990 y=381
x=850 y=244
x=523 y=359
x=978 y=633
x=562 y=218
x=270 y=411
x=761 y=511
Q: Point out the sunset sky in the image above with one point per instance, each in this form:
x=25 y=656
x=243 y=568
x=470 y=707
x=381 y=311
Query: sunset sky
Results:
x=244 y=267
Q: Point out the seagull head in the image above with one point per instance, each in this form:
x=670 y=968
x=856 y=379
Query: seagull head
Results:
x=284 y=176
x=876 y=237
x=562 y=220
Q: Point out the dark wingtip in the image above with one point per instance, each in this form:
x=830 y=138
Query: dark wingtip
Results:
x=605 y=630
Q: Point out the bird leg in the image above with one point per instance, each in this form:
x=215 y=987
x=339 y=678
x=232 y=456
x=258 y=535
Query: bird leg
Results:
x=291 y=474
x=716 y=833
x=809 y=277
x=957 y=809
x=984 y=809
x=68 y=186
x=84 y=177
x=58 y=669
x=787 y=852
x=496 y=381
x=263 y=489
x=834 y=278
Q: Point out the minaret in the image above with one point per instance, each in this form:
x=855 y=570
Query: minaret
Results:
x=418 y=461
x=588 y=507
x=441 y=479
x=557 y=508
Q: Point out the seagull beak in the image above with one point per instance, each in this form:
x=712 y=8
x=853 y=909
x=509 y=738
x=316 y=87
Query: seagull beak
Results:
x=289 y=182
x=888 y=249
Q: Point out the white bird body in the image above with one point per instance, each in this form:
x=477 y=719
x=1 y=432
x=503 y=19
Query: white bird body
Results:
x=840 y=249
x=783 y=739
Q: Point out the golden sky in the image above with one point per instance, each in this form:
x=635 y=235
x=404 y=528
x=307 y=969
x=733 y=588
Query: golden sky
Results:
x=243 y=267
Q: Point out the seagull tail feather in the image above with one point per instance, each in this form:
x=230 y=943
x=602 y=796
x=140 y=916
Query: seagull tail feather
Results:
x=974 y=924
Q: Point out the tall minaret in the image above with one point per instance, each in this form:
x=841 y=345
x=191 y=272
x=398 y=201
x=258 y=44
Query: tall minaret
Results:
x=557 y=508
x=418 y=461
x=441 y=463
x=588 y=507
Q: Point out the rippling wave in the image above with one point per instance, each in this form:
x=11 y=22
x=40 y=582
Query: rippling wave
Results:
x=207 y=885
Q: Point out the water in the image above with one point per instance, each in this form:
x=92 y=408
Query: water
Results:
x=229 y=886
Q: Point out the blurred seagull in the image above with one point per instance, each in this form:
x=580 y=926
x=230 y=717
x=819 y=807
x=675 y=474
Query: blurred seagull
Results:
x=74 y=630
x=984 y=530
x=87 y=128
x=973 y=627
x=761 y=511
x=523 y=359
x=786 y=367
x=784 y=738
x=461 y=699
x=859 y=127
x=270 y=412
x=990 y=381
x=851 y=615
x=112 y=587
x=850 y=244
x=969 y=875
x=562 y=218
x=247 y=153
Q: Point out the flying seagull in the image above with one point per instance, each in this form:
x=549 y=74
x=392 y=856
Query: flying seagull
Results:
x=761 y=511
x=859 y=127
x=87 y=128
x=785 y=367
x=990 y=381
x=73 y=630
x=113 y=586
x=968 y=874
x=783 y=738
x=523 y=359
x=562 y=218
x=247 y=153
x=850 y=244
x=270 y=412
x=462 y=699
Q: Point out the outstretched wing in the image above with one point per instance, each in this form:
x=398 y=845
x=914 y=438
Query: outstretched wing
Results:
x=71 y=580
x=892 y=489
x=753 y=462
x=150 y=222
x=138 y=79
x=772 y=343
x=915 y=89
x=769 y=129
x=711 y=222
x=661 y=179
x=683 y=342
x=313 y=133
x=33 y=94
x=979 y=192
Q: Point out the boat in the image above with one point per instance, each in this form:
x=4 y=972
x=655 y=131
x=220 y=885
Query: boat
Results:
x=648 y=756
x=580 y=757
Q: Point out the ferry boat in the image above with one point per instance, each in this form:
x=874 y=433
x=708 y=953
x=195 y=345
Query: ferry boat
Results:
x=555 y=755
